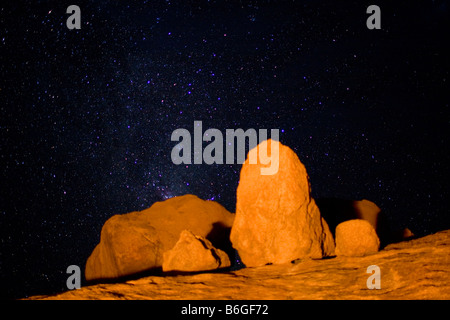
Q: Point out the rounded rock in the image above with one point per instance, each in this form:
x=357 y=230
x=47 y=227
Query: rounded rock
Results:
x=356 y=238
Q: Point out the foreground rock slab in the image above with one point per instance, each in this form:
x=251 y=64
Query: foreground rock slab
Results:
x=415 y=269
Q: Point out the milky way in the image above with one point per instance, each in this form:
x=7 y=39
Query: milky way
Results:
x=87 y=115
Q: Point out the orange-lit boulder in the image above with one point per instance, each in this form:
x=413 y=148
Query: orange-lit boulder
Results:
x=136 y=241
x=356 y=237
x=277 y=220
x=194 y=253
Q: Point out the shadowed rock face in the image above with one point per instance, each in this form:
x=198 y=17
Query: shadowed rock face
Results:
x=415 y=269
x=135 y=242
x=336 y=211
x=277 y=221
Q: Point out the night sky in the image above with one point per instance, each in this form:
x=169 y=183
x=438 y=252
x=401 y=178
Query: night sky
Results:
x=86 y=115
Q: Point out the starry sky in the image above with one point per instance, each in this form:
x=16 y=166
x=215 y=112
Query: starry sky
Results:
x=86 y=115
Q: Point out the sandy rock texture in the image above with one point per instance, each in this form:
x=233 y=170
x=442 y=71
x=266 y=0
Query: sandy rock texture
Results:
x=415 y=269
x=135 y=242
x=194 y=253
x=356 y=237
x=277 y=220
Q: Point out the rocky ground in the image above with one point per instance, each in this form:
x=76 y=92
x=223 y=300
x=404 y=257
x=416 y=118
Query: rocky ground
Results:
x=415 y=269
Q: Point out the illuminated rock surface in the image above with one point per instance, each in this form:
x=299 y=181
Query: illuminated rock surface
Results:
x=194 y=253
x=356 y=238
x=277 y=221
x=415 y=269
x=135 y=242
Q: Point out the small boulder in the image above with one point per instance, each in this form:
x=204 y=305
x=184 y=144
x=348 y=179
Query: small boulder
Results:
x=277 y=221
x=194 y=253
x=356 y=238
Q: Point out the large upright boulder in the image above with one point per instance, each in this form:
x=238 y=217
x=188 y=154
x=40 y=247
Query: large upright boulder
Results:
x=136 y=241
x=277 y=220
